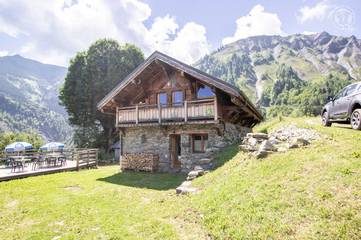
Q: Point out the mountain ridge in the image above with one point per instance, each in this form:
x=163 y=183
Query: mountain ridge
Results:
x=29 y=98
x=252 y=63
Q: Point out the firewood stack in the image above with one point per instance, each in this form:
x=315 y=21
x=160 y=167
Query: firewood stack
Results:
x=140 y=162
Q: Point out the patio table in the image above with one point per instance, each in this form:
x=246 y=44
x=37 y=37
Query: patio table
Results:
x=18 y=162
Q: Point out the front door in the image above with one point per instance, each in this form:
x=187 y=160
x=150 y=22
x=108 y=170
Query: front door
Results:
x=175 y=150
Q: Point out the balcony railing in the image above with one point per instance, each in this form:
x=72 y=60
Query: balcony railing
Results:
x=188 y=111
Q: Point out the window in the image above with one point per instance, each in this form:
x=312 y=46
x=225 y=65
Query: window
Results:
x=351 y=89
x=341 y=94
x=177 y=98
x=199 y=143
x=163 y=99
x=204 y=91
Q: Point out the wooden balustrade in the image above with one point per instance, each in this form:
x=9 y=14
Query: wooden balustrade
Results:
x=205 y=109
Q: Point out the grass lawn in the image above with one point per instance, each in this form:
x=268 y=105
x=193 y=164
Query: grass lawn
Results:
x=308 y=193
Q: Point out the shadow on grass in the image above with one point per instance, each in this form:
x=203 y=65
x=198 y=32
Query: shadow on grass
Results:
x=225 y=155
x=156 y=181
x=164 y=181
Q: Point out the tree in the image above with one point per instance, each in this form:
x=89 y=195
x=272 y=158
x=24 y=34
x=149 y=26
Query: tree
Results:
x=91 y=75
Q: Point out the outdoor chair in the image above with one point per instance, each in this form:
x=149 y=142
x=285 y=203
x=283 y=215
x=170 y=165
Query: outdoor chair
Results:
x=17 y=164
x=39 y=162
x=62 y=160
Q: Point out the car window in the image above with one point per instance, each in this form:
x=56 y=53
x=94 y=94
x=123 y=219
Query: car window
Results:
x=341 y=93
x=350 y=89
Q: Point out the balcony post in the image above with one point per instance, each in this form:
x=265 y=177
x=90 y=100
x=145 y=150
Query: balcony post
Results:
x=137 y=114
x=159 y=113
x=186 y=111
x=215 y=108
x=117 y=117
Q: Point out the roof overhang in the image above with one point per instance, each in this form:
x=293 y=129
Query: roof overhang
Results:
x=240 y=98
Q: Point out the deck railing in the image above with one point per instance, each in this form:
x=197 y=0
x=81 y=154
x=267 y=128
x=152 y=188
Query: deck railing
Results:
x=205 y=109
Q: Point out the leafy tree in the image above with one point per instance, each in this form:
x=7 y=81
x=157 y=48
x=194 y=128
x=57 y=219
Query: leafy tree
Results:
x=7 y=138
x=91 y=75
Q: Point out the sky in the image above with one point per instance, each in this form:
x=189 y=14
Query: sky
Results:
x=53 y=31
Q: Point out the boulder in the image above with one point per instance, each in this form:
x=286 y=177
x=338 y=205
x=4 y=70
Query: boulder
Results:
x=267 y=146
x=258 y=135
x=198 y=168
x=185 y=190
x=247 y=148
x=282 y=149
x=274 y=140
x=252 y=141
x=292 y=145
x=300 y=141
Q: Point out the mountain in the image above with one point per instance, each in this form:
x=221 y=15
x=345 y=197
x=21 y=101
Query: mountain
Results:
x=264 y=67
x=29 y=98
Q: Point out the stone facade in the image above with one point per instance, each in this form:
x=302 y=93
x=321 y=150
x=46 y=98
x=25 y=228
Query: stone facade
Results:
x=156 y=140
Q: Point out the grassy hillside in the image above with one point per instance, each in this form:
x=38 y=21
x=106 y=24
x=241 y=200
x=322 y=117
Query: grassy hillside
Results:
x=308 y=193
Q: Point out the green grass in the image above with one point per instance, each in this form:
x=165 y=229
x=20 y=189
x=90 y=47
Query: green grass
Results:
x=308 y=193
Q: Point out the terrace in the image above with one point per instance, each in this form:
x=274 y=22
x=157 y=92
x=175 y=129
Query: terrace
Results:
x=197 y=111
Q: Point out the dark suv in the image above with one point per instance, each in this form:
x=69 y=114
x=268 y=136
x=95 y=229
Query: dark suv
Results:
x=345 y=107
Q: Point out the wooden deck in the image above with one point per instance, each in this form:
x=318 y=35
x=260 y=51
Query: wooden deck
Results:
x=6 y=174
x=76 y=160
x=199 y=111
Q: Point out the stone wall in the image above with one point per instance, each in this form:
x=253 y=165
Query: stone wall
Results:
x=156 y=140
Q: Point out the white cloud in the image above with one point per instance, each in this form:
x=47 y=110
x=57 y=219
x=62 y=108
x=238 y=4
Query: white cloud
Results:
x=4 y=53
x=318 y=11
x=257 y=22
x=52 y=31
x=188 y=44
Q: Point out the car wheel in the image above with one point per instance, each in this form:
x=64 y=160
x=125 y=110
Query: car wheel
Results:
x=356 y=119
x=325 y=121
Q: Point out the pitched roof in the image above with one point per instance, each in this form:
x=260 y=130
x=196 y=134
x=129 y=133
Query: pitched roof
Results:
x=211 y=80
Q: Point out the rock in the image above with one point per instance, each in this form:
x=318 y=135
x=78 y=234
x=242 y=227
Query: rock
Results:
x=220 y=145
x=194 y=174
x=190 y=178
x=186 y=184
x=300 y=141
x=292 y=145
x=185 y=190
x=258 y=135
x=247 y=148
x=204 y=161
x=267 y=146
x=198 y=168
x=282 y=149
x=274 y=140
x=260 y=154
x=252 y=141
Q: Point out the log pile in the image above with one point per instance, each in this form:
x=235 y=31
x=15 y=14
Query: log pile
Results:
x=140 y=162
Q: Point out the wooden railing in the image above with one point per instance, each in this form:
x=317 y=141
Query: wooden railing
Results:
x=205 y=109
x=85 y=157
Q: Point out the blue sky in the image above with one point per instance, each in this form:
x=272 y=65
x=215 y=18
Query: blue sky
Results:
x=53 y=31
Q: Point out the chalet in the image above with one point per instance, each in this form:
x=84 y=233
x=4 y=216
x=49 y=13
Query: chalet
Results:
x=172 y=116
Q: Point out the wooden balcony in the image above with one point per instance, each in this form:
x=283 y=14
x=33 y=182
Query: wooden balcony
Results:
x=198 y=111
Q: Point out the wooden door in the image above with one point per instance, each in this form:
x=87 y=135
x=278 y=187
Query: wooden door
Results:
x=175 y=150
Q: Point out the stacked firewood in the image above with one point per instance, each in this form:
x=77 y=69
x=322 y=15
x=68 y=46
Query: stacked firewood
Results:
x=140 y=162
